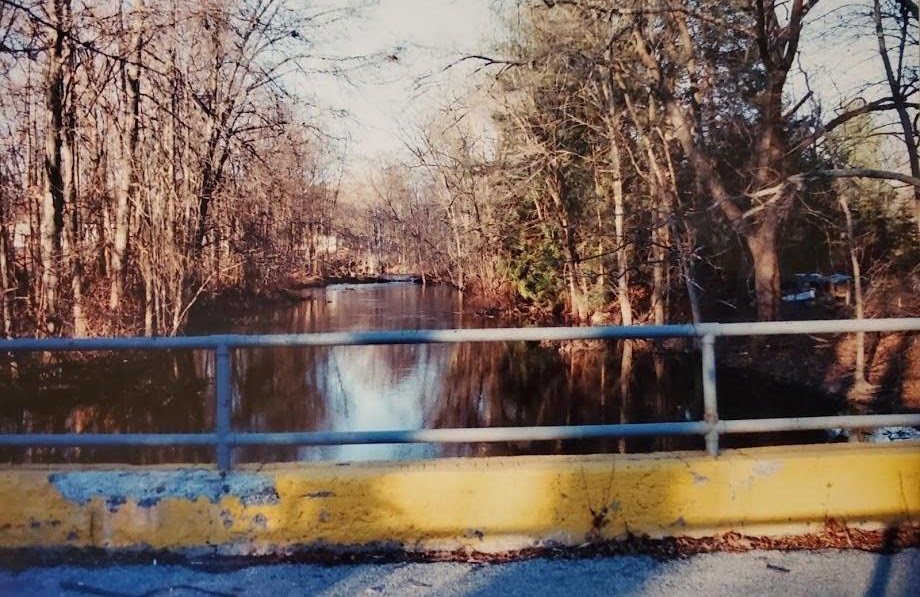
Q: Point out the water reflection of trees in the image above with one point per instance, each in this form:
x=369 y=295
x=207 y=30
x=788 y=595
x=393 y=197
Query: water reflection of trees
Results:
x=523 y=384
x=111 y=393
x=278 y=390
x=379 y=387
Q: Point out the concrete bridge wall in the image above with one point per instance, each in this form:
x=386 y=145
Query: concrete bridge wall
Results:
x=488 y=504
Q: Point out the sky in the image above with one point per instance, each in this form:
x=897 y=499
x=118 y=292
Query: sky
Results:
x=416 y=40
x=838 y=51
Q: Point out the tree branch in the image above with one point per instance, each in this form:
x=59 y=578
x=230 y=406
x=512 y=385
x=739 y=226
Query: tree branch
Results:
x=879 y=105
x=857 y=173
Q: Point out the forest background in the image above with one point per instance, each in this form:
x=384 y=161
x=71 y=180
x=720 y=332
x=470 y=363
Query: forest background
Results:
x=602 y=162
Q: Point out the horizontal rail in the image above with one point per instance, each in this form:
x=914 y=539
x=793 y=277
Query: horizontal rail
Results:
x=468 y=435
x=334 y=438
x=100 y=440
x=817 y=326
x=818 y=423
x=463 y=435
x=223 y=439
x=534 y=334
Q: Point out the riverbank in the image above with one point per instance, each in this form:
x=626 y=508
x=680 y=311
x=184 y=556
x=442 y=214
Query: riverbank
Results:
x=235 y=302
x=826 y=363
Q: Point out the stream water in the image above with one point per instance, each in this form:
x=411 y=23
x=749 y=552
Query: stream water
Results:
x=379 y=387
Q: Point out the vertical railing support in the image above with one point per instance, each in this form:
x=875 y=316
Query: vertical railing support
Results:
x=223 y=404
x=710 y=402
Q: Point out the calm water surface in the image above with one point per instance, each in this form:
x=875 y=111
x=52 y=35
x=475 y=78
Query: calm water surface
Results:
x=377 y=387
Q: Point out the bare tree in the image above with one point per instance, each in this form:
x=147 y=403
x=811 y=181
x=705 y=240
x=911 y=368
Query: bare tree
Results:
x=900 y=86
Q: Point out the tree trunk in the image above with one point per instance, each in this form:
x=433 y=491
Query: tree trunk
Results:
x=619 y=212
x=52 y=204
x=209 y=180
x=762 y=244
x=626 y=361
x=457 y=239
x=129 y=178
x=685 y=256
x=622 y=258
x=685 y=252
x=767 y=168
x=601 y=282
x=148 y=304
x=685 y=259
x=767 y=173
x=577 y=297
x=660 y=263
x=612 y=118
x=76 y=284
x=659 y=189
x=178 y=300
x=860 y=390
x=6 y=311
x=73 y=234
x=900 y=103
x=6 y=308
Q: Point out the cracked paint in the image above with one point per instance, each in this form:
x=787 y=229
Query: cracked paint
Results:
x=150 y=487
x=313 y=495
x=699 y=479
x=260 y=521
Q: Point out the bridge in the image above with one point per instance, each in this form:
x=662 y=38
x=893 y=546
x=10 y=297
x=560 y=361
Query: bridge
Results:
x=483 y=505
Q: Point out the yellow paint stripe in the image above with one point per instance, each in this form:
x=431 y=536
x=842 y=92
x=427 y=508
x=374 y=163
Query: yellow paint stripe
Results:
x=484 y=504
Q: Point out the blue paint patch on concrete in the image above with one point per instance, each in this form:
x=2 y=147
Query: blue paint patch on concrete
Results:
x=148 y=488
x=112 y=502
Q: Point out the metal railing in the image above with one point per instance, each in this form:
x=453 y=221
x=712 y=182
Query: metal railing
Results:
x=224 y=438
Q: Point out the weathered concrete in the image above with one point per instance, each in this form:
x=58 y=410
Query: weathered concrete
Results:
x=477 y=504
x=149 y=487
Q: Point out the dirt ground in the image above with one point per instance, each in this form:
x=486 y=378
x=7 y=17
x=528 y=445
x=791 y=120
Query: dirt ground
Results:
x=827 y=363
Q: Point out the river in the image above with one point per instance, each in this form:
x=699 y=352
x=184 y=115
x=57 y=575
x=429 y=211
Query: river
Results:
x=379 y=387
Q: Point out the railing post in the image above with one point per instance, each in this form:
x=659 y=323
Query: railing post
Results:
x=710 y=402
x=223 y=404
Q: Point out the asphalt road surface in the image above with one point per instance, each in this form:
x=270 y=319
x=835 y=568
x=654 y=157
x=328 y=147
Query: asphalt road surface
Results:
x=752 y=573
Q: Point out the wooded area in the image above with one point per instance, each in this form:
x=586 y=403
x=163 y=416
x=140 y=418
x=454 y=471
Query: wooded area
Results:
x=636 y=162
x=151 y=152
x=651 y=157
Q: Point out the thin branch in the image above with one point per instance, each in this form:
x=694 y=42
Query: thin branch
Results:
x=858 y=173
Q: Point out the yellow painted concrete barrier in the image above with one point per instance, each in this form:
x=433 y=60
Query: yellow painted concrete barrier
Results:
x=485 y=504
